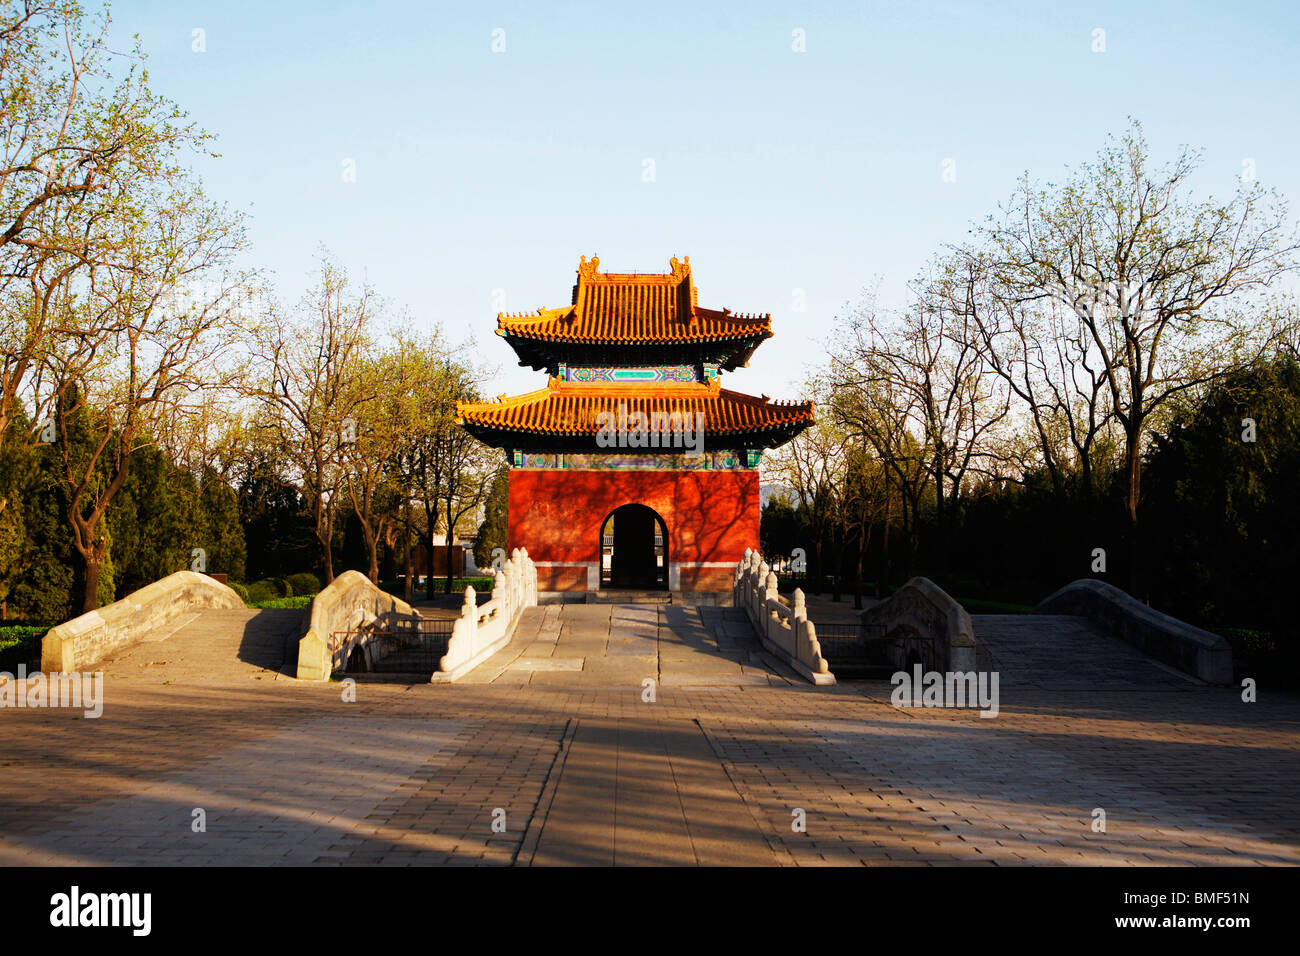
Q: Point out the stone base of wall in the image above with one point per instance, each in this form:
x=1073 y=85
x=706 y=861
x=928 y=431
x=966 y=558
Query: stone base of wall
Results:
x=683 y=579
x=561 y=578
x=705 y=579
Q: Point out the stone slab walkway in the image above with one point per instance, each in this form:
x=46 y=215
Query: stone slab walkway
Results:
x=604 y=645
x=1062 y=651
x=561 y=771
x=254 y=644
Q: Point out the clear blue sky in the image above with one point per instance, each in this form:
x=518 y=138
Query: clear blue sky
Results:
x=774 y=170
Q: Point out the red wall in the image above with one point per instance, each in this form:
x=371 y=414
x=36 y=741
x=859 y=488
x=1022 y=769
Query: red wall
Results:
x=710 y=515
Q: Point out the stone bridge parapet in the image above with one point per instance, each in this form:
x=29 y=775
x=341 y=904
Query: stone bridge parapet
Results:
x=1171 y=641
x=340 y=617
x=81 y=642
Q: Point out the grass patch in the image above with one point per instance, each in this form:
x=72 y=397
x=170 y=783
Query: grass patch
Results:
x=296 y=602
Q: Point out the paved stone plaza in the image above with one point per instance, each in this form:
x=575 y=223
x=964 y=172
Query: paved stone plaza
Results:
x=551 y=740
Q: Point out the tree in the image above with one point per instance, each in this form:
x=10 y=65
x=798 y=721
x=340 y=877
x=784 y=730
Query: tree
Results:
x=156 y=520
x=222 y=536
x=866 y=409
x=494 y=529
x=1042 y=352
x=450 y=471
x=1161 y=284
x=18 y=464
x=1220 y=500
x=370 y=462
x=306 y=384
x=139 y=353
x=811 y=465
x=912 y=386
x=81 y=141
x=276 y=522
x=863 y=502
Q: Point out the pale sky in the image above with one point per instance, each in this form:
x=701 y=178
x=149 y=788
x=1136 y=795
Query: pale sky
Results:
x=482 y=176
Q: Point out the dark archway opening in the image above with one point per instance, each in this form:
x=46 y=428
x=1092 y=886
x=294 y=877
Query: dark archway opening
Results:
x=634 y=549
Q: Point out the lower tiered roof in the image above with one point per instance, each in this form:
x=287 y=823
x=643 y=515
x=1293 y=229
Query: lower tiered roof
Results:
x=567 y=415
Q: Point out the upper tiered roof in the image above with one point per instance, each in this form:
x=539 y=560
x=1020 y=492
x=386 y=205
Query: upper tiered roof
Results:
x=633 y=317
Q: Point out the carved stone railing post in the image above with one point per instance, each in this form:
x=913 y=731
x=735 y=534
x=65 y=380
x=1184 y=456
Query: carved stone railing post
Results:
x=813 y=647
x=513 y=570
x=784 y=630
x=469 y=616
x=772 y=601
x=530 y=569
x=798 y=619
x=500 y=585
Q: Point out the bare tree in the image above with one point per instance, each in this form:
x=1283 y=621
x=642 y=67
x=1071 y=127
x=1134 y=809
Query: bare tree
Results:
x=1043 y=353
x=812 y=465
x=1163 y=285
x=451 y=471
x=306 y=379
x=922 y=363
x=81 y=139
x=137 y=354
x=867 y=405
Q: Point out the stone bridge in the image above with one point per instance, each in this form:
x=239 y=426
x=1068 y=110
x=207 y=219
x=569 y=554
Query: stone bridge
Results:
x=642 y=734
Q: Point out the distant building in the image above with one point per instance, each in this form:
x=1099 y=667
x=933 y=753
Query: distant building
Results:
x=633 y=467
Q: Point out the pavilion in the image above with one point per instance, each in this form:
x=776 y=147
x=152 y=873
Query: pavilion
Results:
x=633 y=468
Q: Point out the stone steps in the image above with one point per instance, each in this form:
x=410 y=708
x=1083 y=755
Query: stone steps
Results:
x=620 y=596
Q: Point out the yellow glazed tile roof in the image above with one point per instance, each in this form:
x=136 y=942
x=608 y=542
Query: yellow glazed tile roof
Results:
x=634 y=309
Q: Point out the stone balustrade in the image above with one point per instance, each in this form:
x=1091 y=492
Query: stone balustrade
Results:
x=482 y=630
x=783 y=627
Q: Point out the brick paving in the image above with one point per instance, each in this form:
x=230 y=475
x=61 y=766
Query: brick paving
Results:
x=581 y=769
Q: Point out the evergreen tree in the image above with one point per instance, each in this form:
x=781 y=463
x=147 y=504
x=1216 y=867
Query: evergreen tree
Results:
x=223 y=535
x=156 y=520
x=42 y=586
x=1222 y=498
x=493 y=531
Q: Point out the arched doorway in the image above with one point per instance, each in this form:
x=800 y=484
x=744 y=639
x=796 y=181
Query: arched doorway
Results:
x=634 y=549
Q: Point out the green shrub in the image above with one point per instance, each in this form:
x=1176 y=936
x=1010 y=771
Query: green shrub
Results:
x=268 y=588
x=304 y=582
x=239 y=589
x=20 y=644
x=262 y=591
